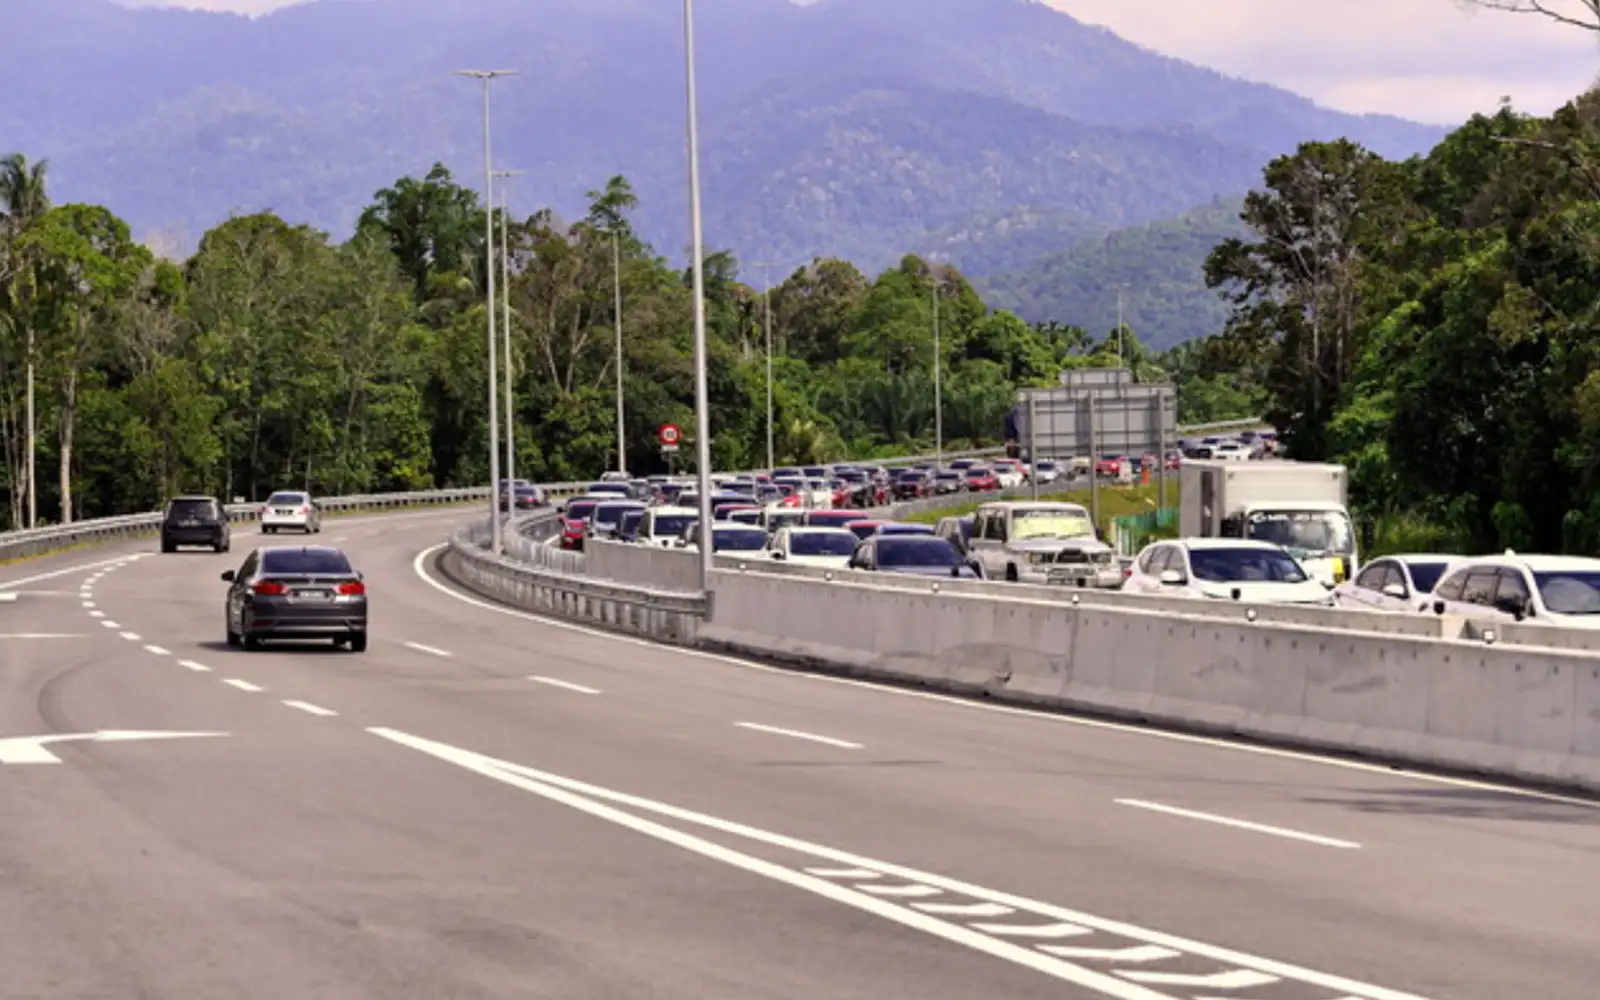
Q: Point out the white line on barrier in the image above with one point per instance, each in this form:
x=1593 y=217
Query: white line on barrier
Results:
x=419 y=566
x=1240 y=824
x=310 y=709
x=241 y=685
x=419 y=647
x=565 y=685
x=797 y=734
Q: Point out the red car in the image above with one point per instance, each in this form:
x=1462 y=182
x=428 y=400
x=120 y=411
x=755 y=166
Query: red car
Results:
x=1109 y=468
x=979 y=479
x=864 y=529
x=575 y=522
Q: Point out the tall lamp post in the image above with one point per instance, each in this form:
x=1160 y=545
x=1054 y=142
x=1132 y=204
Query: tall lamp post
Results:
x=766 y=296
x=486 y=77
x=616 y=289
x=505 y=299
x=938 y=393
x=702 y=416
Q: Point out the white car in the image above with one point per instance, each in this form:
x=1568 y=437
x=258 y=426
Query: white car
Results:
x=291 y=509
x=1046 y=471
x=1009 y=473
x=1224 y=569
x=663 y=526
x=1402 y=583
x=1554 y=590
x=1230 y=451
x=775 y=516
x=827 y=547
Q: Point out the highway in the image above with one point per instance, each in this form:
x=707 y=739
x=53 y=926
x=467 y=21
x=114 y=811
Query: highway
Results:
x=486 y=805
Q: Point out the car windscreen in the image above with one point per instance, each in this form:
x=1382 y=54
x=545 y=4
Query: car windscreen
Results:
x=287 y=500
x=1244 y=566
x=580 y=510
x=910 y=477
x=949 y=477
x=1425 y=574
x=1573 y=592
x=671 y=525
x=862 y=529
x=913 y=551
x=304 y=562
x=907 y=529
x=745 y=516
x=739 y=539
x=611 y=489
x=610 y=513
x=630 y=520
x=1303 y=531
x=822 y=544
x=192 y=508
x=1051 y=524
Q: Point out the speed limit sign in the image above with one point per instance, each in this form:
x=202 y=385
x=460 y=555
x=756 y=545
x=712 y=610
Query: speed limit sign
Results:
x=668 y=435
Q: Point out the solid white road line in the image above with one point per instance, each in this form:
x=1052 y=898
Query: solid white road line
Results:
x=1233 y=979
x=131 y=636
x=419 y=567
x=56 y=574
x=965 y=909
x=310 y=709
x=900 y=891
x=1039 y=931
x=610 y=805
x=241 y=685
x=419 y=647
x=199 y=668
x=1240 y=824
x=157 y=650
x=843 y=873
x=41 y=635
x=8 y=597
x=1137 y=953
x=564 y=685
x=797 y=734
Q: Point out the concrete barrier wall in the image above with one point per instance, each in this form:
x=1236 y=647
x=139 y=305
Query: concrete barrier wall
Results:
x=676 y=570
x=1505 y=710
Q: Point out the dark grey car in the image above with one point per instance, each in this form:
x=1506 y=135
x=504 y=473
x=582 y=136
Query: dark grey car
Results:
x=309 y=592
x=195 y=520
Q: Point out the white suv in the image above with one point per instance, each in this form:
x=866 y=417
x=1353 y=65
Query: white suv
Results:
x=1224 y=569
x=292 y=509
x=1554 y=590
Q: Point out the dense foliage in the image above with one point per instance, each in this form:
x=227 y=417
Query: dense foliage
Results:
x=276 y=357
x=1435 y=324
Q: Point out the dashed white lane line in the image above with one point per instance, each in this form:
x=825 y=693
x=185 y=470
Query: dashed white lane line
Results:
x=564 y=685
x=97 y=614
x=88 y=604
x=430 y=650
x=199 y=668
x=798 y=735
x=1240 y=824
x=108 y=623
x=8 y=597
x=234 y=682
x=40 y=635
x=131 y=636
x=308 y=708
x=157 y=650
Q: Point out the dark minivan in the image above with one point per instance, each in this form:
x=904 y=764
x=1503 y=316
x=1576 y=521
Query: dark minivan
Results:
x=310 y=592
x=199 y=521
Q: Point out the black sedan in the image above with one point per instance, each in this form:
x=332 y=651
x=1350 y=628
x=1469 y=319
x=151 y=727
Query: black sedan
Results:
x=309 y=592
x=919 y=555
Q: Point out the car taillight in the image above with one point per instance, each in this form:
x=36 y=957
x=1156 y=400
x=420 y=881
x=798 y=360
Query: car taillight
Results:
x=270 y=588
x=306 y=509
x=352 y=588
x=265 y=510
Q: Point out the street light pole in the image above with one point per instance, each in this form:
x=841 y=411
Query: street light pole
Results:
x=766 y=296
x=505 y=292
x=702 y=416
x=1119 y=326
x=938 y=393
x=486 y=77
x=616 y=284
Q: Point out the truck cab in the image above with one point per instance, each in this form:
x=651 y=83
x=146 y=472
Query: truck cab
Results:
x=1301 y=506
x=1041 y=543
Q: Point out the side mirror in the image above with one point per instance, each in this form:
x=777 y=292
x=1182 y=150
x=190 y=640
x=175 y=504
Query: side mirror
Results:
x=779 y=556
x=1396 y=591
x=1516 y=607
x=1237 y=593
x=228 y=576
x=1438 y=607
x=1172 y=578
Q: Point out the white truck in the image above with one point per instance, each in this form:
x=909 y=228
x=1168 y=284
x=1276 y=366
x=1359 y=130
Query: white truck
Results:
x=1302 y=506
x=1041 y=543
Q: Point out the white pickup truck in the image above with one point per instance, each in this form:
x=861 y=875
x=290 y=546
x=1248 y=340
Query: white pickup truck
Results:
x=1041 y=543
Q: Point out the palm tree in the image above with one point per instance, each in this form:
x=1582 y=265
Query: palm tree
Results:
x=22 y=194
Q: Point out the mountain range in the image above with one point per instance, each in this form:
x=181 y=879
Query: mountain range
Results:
x=985 y=132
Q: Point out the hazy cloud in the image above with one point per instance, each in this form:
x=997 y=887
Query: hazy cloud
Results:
x=1424 y=59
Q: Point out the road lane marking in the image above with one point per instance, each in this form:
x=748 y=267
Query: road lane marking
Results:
x=9 y=597
x=130 y=636
x=157 y=650
x=88 y=604
x=97 y=614
x=419 y=568
x=310 y=709
x=199 y=668
x=564 y=685
x=625 y=810
x=797 y=734
x=108 y=623
x=1234 y=979
x=241 y=685
x=844 y=873
x=419 y=647
x=963 y=909
x=1137 y=953
x=32 y=749
x=54 y=574
x=41 y=635
x=1240 y=824
x=1043 y=932
x=901 y=891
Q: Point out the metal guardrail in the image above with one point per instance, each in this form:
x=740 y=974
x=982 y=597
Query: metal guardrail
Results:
x=560 y=592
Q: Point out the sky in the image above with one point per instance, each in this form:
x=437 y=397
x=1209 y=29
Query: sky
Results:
x=1428 y=60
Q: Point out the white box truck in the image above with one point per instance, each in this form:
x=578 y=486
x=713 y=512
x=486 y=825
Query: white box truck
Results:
x=1302 y=506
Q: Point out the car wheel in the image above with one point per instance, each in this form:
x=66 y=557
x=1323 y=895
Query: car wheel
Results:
x=168 y=547
x=358 y=642
x=1011 y=574
x=251 y=643
x=267 y=529
x=234 y=639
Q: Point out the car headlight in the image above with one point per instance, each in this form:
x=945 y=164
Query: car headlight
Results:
x=1039 y=558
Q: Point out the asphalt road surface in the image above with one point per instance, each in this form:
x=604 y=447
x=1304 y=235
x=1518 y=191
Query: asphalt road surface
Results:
x=486 y=805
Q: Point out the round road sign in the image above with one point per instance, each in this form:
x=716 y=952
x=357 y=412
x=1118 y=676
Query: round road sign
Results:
x=668 y=435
